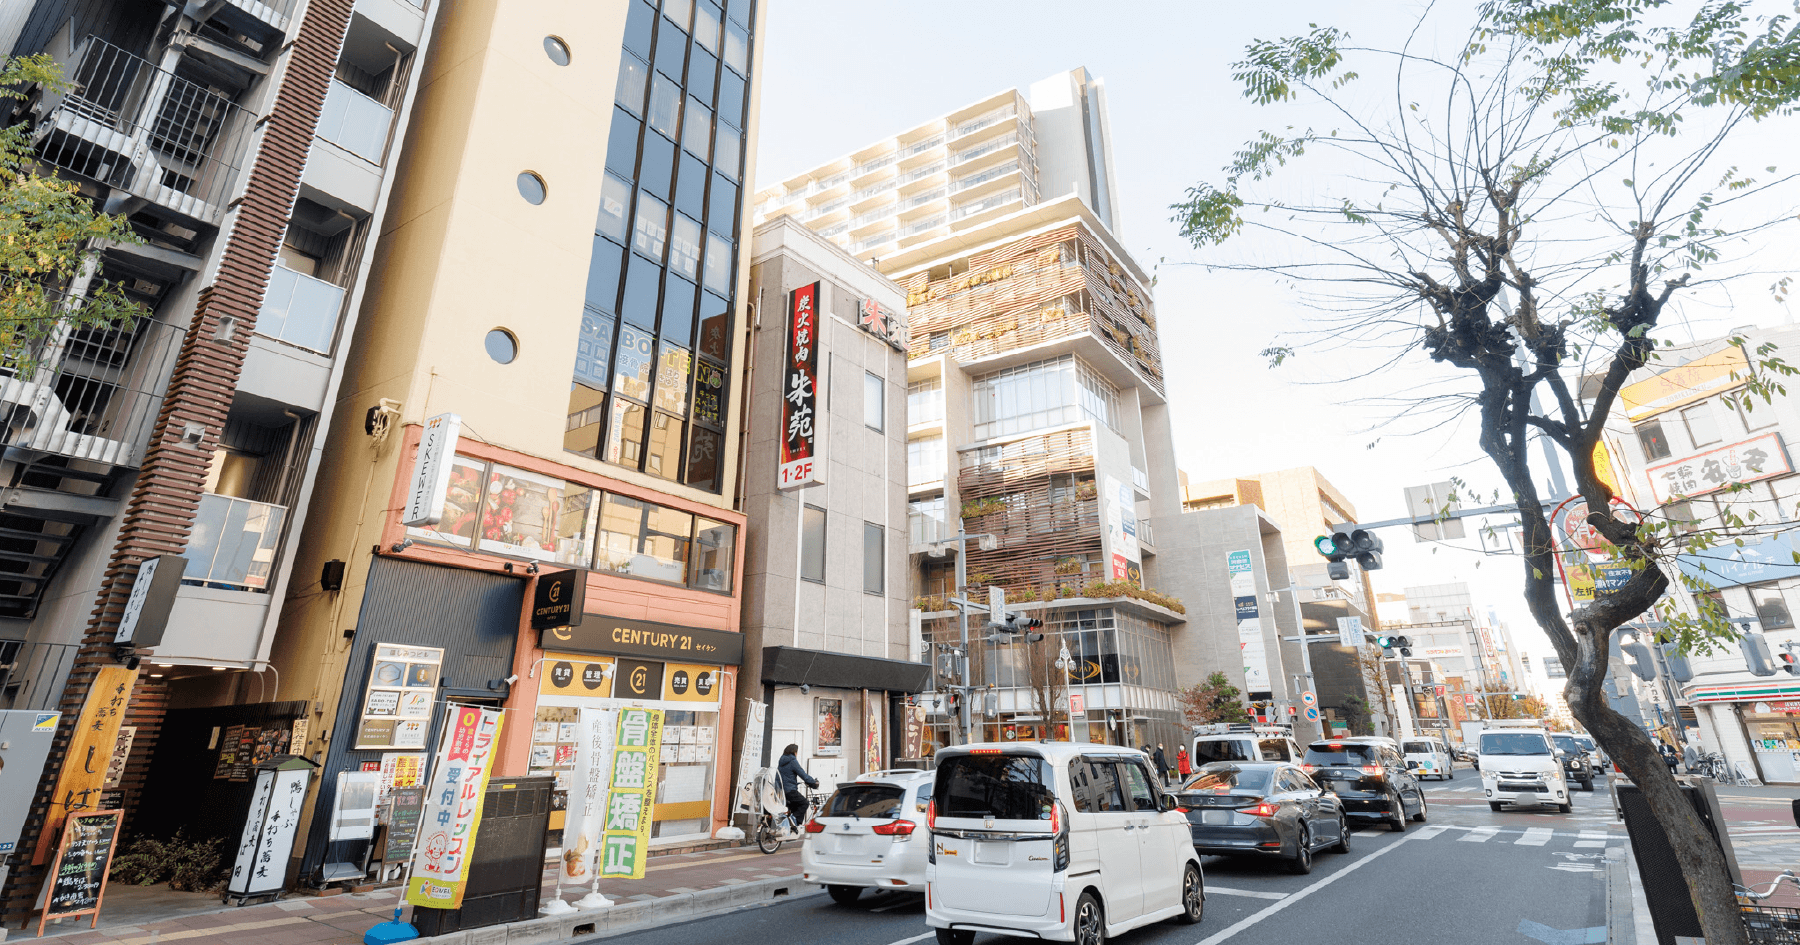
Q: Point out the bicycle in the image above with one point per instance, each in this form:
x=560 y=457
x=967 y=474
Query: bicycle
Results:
x=1769 y=925
x=1714 y=767
x=774 y=822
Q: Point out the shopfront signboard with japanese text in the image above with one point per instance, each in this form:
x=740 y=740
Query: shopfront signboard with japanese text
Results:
x=404 y=806
x=431 y=471
x=1241 y=574
x=78 y=874
x=647 y=640
x=268 y=837
x=1752 y=460
x=452 y=816
x=799 y=464
x=585 y=823
x=396 y=704
x=631 y=794
x=79 y=783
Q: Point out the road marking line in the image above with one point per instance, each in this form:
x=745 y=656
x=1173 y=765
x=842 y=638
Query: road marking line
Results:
x=1593 y=835
x=1478 y=835
x=1223 y=891
x=1590 y=843
x=1426 y=833
x=1535 y=837
x=916 y=938
x=1226 y=934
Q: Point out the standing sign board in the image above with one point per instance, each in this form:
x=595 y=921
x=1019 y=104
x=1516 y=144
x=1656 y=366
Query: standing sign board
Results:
x=396 y=705
x=440 y=868
x=79 y=783
x=405 y=804
x=799 y=387
x=750 y=757
x=625 y=838
x=78 y=874
x=584 y=823
x=268 y=838
x=431 y=471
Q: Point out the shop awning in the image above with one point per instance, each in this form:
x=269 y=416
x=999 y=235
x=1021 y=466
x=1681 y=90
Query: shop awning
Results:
x=792 y=666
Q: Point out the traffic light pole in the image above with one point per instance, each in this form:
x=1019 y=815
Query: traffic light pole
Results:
x=962 y=689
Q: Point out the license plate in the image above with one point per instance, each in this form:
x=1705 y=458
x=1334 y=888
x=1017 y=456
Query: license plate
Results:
x=992 y=854
x=1215 y=817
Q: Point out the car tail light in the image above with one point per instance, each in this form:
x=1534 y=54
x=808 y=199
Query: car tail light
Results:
x=1264 y=809
x=1309 y=769
x=1056 y=818
x=895 y=828
x=931 y=816
x=813 y=826
x=1374 y=771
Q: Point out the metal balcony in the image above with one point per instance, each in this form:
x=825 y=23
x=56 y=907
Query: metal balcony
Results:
x=155 y=138
x=355 y=122
x=233 y=543
x=300 y=310
x=94 y=396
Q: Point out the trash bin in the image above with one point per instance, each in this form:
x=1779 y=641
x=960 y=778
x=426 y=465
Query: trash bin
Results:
x=1671 y=909
x=506 y=869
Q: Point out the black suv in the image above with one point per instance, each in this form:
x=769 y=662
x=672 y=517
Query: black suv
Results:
x=1369 y=777
x=1578 y=768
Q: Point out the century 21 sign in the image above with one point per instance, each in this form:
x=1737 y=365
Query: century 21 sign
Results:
x=799 y=391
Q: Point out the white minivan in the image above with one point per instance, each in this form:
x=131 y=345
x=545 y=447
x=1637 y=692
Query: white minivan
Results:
x=1520 y=766
x=1055 y=840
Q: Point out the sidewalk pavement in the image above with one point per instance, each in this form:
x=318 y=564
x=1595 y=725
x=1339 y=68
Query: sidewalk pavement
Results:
x=675 y=887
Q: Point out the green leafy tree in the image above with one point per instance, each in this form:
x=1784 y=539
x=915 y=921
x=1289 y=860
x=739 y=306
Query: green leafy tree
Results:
x=1521 y=210
x=1215 y=700
x=51 y=236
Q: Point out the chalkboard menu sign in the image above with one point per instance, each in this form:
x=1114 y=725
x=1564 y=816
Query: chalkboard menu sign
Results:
x=404 y=806
x=78 y=875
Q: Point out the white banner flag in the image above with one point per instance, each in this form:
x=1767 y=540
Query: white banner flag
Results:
x=750 y=761
x=584 y=818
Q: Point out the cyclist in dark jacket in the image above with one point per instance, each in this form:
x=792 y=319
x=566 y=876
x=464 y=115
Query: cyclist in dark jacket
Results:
x=791 y=774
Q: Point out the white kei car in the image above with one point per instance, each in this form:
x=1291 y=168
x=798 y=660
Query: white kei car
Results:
x=870 y=834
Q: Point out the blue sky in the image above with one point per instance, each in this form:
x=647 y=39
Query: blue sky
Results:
x=840 y=74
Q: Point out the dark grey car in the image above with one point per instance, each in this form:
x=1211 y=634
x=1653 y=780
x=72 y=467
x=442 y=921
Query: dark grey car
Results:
x=1270 y=809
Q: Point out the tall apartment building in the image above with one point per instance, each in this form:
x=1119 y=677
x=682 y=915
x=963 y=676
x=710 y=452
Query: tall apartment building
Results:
x=251 y=146
x=1036 y=411
x=553 y=327
x=1678 y=439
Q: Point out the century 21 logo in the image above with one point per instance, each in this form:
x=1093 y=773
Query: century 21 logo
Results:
x=640 y=679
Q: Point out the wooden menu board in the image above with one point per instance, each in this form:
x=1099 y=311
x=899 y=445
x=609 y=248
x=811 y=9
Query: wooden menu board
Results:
x=78 y=874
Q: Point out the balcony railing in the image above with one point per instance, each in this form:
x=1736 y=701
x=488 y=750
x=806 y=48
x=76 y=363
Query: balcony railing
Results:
x=917 y=147
x=300 y=310
x=134 y=127
x=923 y=225
x=917 y=173
x=976 y=124
x=1140 y=478
x=355 y=122
x=95 y=394
x=233 y=543
x=986 y=147
x=976 y=180
x=986 y=203
x=1146 y=534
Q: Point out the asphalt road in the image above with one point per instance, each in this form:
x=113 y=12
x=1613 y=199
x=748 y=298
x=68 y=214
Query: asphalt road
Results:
x=1468 y=876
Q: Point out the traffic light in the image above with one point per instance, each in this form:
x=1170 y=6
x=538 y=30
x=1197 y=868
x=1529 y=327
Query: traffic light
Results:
x=1787 y=664
x=1347 y=541
x=1678 y=664
x=1638 y=655
x=1756 y=654
x=1517 y=696
x=1006 y=627
x=1367 y=546
x=1403 y=644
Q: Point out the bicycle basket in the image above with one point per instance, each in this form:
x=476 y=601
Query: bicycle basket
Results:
x=1772 y=925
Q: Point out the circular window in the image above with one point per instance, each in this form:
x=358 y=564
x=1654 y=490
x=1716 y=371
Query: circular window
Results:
x=502 y=346
x=531 y=187
x=557 y=50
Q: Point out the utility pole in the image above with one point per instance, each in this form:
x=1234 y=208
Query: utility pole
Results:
x=986 y=542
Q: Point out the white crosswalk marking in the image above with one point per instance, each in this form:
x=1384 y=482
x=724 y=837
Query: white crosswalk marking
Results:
x=1426 y=833
x=1535 y=837
x=1479 y=835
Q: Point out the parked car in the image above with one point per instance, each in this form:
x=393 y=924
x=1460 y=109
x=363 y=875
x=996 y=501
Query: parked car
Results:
x=1429 y=757
x=1466 y=756
x=1055 y=840
x=1520 y=766
x=1370 y=779
x=1263 y=808
x=1578 y=766
x=869 y=835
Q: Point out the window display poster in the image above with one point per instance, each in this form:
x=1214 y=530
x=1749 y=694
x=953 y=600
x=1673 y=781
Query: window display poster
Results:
x=462 y=505
x=631 y=794
x=829 y=716
x=401 y=769
x=554 y=732
x=874 y=708
x=396 y=705
x=452 y=817
x=520 y=513
x=585 y=821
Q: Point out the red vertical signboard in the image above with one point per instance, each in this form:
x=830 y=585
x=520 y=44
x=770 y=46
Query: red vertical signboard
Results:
x=799 y=387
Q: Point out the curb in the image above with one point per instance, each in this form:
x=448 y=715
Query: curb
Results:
x=1620 y=929
x=632 y=916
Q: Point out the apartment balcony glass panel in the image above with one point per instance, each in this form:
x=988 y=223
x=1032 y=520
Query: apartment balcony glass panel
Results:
x=925 y=461
x=300 y=310
x=926 y=521
x=986 y=203
x=233 y=543
x=925 y=401
x=1040 y=395
x=355 y=122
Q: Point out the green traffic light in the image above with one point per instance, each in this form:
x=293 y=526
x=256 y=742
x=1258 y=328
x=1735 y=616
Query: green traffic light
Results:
x=1325 y=545
x=1386 y=643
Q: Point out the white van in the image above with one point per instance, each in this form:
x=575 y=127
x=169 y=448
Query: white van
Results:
x=1431 y=758
x=1519 y=765
x=1059 y=841
x=1243 y=743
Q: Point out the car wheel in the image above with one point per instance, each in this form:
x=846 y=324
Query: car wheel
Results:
x=1090 y=921
x=1343 y=844
x=1494 y=806
x=1451 y=776
x=1193 y=896
x=1564 y=807
x=843 y=895
x=1397 y=820
x=955 y=936
x=1301 y=864
x=1587 y=784
x=1420 y=816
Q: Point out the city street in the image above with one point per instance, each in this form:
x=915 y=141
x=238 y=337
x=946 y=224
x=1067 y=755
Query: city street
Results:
x=1468 y=875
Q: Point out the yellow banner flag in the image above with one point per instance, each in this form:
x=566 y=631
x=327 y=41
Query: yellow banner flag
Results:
x=625 y=838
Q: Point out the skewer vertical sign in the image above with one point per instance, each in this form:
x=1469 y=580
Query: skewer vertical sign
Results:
x=799 y=390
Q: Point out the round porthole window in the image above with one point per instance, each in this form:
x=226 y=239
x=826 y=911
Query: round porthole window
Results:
x=531 y=187
x=502 y=346
x=557 y=50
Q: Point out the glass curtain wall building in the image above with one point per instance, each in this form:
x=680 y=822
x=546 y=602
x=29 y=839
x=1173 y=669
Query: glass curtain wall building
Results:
x=650 y=386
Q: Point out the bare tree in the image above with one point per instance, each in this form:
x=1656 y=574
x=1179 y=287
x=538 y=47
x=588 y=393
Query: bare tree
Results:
x=1523 y=210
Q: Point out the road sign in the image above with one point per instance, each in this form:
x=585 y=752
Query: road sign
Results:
x=1312 y=713
x=1309 y=698
x=1350 y=631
